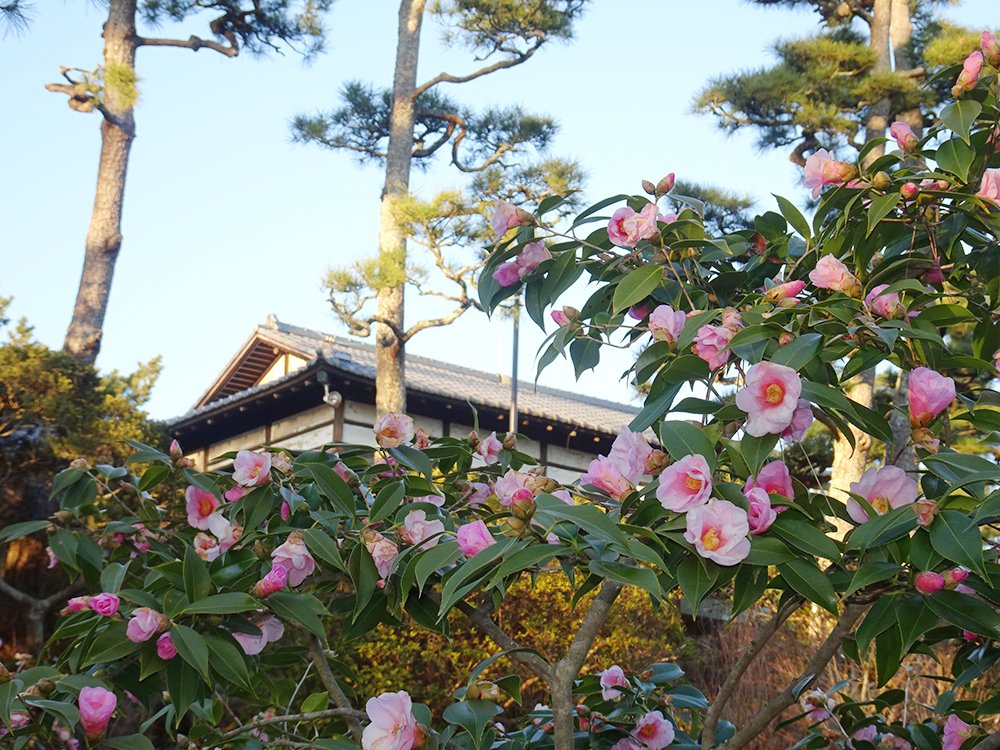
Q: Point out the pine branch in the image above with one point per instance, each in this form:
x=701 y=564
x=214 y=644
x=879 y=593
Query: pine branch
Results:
x=518 y=57
x=193 y=43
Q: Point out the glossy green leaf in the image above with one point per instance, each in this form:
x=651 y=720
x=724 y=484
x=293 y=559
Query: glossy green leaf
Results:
x=636 y=286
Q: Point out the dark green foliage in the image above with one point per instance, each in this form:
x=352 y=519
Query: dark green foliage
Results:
x=14 y=16
x=257 y=26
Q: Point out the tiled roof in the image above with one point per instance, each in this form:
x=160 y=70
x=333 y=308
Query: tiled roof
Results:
x=431 y=376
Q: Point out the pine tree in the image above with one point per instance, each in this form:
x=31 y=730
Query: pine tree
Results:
x=410 y=123
x=112 y=90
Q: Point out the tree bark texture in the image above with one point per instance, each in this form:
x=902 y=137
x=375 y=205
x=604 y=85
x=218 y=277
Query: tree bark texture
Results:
x=390 y=362
x=104 y=236
x=849 y=462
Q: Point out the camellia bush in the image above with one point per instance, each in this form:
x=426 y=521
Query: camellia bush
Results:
x=213 y=620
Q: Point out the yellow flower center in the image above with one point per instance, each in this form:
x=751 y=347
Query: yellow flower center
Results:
x=693 y=483
x=774 y=393
x=205 y=506
x=710 y=539
x=881 y=505
x=647 y=732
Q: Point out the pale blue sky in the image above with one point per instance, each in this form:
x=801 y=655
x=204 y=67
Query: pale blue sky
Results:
x=227 y=221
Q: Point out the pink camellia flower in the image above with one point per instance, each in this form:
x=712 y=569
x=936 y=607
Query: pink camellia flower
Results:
x=506 y=274
x=629 y=453
x=868 y=734
x=96 y=704
x=930 y=393
x=251 y=469
x=560 y=318
x=711 y=343
x=18 y=720
x=627 y=228
x=830 y=273
x=719 y=531
x=506 y=216
x=769 y=396
x=904 y=135
x=105 y=604
x=531 y=257
x=626 y=743
x=802 y=419
x=490 y=449
x=885 y=304
x=392 y=725
x=605 y=475
x=509 y=484
x=234 y=493
x=227 y=533
x=273 y=582
x=78 y=604
x=293 y=555
x=144 y=623
x=968 y=635
x=884 y=489
x=473 y=538
x=761 y=515
x=417 y=529
x=665 y=324
x=654 y=731
x=206 y=547
x=774 y=478
x=956 y=732
x=989 y=188
x=165 y=647
x=685 y=484
x=53 y=560
x=928 y=582
x=822 y=169
x=393 y=430
x=784 y=294
x=271 y=630
x=282 y=462
x=612 y=678
x=894 y=741
x=817 y=705
x=201 y=505
x=971 y=69
x=909 y=190
x=991 y=48
x=383 y=551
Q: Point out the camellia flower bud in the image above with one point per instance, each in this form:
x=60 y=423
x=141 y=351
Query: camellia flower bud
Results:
x=971 y=69
x=991 y=48
x=928 y=583
x=955 y=576
x=485 y=691
x=881 y=180
x=79 y=463
x=665 y=185
x=5 y=675
x=509 y=440
x=649 y=187
x=175 y=452
x=523 y=508
x=909 y=190
x=926 y=510
x=656 y=462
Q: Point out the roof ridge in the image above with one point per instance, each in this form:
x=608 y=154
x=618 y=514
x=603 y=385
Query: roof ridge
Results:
x=349 y=342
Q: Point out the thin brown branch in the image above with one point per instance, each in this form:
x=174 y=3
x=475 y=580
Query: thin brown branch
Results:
x=329 y=681
x=517 y=59
x=827 y=650
x=489 y=627
x=193 y=43
x=753 y=649
x=576 y=654
x=328 y=713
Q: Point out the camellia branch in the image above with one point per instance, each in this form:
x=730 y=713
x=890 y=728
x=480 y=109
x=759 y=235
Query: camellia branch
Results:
x=753 y=649
x=329 y=681
x=328 y=713
x=488 y=626
x=827 y=650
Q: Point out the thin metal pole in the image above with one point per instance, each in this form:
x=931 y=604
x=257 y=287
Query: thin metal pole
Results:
x=512 y=426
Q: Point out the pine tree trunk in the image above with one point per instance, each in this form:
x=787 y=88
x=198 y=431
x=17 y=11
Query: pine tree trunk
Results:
x=390 y=362
x=104 y=237
x=849 y=462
